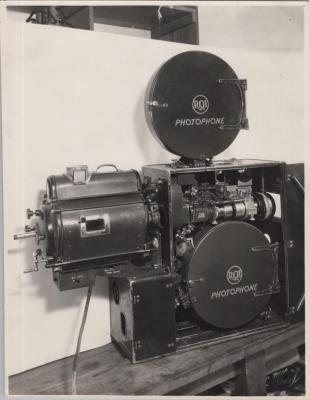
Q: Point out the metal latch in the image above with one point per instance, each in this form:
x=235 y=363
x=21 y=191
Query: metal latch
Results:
x=137 y=344
x=136 y=299
x=38 y=259
x=192 y=282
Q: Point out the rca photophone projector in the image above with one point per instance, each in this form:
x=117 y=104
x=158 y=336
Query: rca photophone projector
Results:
x=197 y=251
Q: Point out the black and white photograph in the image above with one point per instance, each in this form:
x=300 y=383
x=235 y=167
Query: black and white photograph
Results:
x=153 y=185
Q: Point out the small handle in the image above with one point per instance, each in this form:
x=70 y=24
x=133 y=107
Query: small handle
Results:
x=38 y=259
x=107 y=165
x=241 y=84
x=29 y=233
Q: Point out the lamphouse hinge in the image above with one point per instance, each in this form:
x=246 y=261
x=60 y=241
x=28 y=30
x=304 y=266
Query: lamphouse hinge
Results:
x=291 y=310
x=137 y=344
x=289 y=244
x=136 y=299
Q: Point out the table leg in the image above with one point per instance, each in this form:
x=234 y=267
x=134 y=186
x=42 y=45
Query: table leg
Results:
x=252 y=380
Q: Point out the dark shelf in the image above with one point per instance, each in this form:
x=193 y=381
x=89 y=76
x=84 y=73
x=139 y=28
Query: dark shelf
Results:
x=173 y=23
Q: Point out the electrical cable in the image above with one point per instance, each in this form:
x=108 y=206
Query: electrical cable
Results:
x=80 y=335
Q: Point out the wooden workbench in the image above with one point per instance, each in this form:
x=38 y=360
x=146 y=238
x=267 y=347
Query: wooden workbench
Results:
x=106 y=371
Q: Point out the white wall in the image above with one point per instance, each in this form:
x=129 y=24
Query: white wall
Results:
x=66 y=103
x=73 y=96
x=266 y=45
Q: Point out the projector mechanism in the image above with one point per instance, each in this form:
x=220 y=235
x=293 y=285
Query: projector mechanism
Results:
x=192 y=249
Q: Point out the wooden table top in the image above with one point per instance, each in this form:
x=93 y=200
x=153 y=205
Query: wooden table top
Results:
x=105 y=371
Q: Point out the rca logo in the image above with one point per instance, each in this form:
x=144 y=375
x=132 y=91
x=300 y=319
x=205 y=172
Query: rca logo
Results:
x=200 y=104
x=234 y=274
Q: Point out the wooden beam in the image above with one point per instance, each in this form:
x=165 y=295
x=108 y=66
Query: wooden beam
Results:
x=169 y=23
x=138 y=17
x=273 y=363
x=187 y=34
x=177 y=23
x=106 y=371
x=77 y=17
x=252 y=379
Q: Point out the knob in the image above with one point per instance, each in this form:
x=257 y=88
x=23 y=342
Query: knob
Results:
x=29 y=229
x=30 y=213
x=37 y=213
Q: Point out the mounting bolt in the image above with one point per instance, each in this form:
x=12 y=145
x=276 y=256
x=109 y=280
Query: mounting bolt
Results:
x=29 y=228
x=155 y=243
x=77 y=279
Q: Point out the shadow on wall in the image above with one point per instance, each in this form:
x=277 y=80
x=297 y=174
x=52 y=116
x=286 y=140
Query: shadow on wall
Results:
x=151 y=149
x=56 y=299
x=40 y=284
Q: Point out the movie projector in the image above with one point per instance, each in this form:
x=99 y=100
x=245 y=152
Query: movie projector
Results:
x=194 y=250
